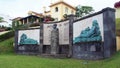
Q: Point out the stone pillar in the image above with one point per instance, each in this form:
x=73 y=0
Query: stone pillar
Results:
x=54 y=40
x=23 y=21
x=71 y=19
x=41 y=39
x=37 y=20
x=109 y=32
x=16 y=41
x=27 y=20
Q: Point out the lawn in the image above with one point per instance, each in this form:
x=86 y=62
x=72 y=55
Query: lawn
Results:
x=22 y=61
x=7 y=46
x=8 y=59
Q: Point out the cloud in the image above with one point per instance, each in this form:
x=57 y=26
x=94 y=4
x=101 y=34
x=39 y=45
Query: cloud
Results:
x=17 y=8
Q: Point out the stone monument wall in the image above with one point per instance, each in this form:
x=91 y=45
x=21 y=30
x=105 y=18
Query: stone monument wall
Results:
x=90 y=37
x=27 y=41
x=94 y=35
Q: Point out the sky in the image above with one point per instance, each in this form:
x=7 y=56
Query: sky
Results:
x=20 y=8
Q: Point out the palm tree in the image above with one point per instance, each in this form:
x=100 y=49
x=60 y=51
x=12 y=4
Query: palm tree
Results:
x=2 y=20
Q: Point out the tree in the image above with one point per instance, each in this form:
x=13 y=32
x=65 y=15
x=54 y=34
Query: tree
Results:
x=1 y=19
x=83 y=10
x=65 y=16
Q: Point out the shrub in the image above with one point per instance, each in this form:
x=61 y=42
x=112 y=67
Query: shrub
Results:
x=6 y=35
x=8 y=28
x=118 y=23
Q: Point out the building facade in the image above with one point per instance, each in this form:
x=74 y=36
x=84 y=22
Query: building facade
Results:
x=117 y=7
x=118 y=12
x=59 y=9
x=56 y=13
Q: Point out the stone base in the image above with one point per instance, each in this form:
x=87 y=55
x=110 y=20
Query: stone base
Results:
x=28 y=49
x=88 y=51
x=54 y=56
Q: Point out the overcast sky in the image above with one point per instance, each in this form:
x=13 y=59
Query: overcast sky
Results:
x=19 y=8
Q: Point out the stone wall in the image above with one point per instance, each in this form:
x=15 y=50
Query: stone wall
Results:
x=89 y=35
x=97 y=32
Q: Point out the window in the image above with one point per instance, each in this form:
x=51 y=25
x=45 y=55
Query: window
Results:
x=56 y=19
x=66 y=10
x=56 y=9
x=72 y=12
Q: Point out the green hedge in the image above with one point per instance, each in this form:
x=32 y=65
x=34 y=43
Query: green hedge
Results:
x=6 y=35
x=118 y=24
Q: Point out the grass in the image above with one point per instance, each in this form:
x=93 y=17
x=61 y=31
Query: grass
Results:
x=10 y=60
x=21 y=61
x=7 y=46
x=118 y=26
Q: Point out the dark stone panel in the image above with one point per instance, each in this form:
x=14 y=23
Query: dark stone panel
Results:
x=63 y=49
x=88 y=55
x=46 y=49
x=28 y=49
x=89 y=51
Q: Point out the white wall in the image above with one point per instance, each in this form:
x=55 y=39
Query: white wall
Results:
x=63 y=33
x=117 y=12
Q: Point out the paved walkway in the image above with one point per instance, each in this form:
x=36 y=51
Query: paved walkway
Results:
x=3 y=32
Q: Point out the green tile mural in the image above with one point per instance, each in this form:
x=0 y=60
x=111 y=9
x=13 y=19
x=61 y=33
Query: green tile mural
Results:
x=25 y=40
x=89 y=34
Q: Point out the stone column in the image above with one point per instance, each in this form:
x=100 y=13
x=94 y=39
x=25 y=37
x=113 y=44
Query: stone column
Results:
x=109 y=46
x=41 y=39
x=71 y=19
x=23 y=21
x=37 y=20
x=54 y=40
x=27 y=20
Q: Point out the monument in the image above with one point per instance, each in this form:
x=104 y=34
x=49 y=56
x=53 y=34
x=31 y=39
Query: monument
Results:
x=91 y=37
x=54 y=40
